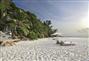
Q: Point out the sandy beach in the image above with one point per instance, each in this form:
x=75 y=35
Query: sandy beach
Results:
x=46 y=50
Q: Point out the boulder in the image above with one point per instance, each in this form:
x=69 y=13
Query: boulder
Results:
x=62 y=43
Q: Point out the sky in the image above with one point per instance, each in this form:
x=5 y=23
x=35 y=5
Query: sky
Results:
x=68 y=16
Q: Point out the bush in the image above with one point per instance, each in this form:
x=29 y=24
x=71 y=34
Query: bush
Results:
x=32 y=35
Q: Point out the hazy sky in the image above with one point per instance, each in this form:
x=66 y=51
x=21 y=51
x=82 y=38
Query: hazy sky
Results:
x=68 y=16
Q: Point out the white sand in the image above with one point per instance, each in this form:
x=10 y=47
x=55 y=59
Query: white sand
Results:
x=46 y=50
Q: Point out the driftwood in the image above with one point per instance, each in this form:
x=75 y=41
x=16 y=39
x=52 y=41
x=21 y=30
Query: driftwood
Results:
x=9 y=42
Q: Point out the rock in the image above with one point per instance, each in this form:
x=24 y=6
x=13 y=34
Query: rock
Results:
x=57 y=42
x=1 y=33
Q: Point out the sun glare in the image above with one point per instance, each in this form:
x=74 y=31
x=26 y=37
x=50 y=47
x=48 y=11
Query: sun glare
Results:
x=85 y=21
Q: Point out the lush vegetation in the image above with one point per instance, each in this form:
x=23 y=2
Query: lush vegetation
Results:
x=21 y=23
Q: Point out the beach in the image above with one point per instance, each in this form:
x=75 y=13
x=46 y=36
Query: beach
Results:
x=46 y=49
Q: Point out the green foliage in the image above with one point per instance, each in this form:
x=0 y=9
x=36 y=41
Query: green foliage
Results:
x=32 y=35
x=24 y=24
x=24 y=30
x=2 y=6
